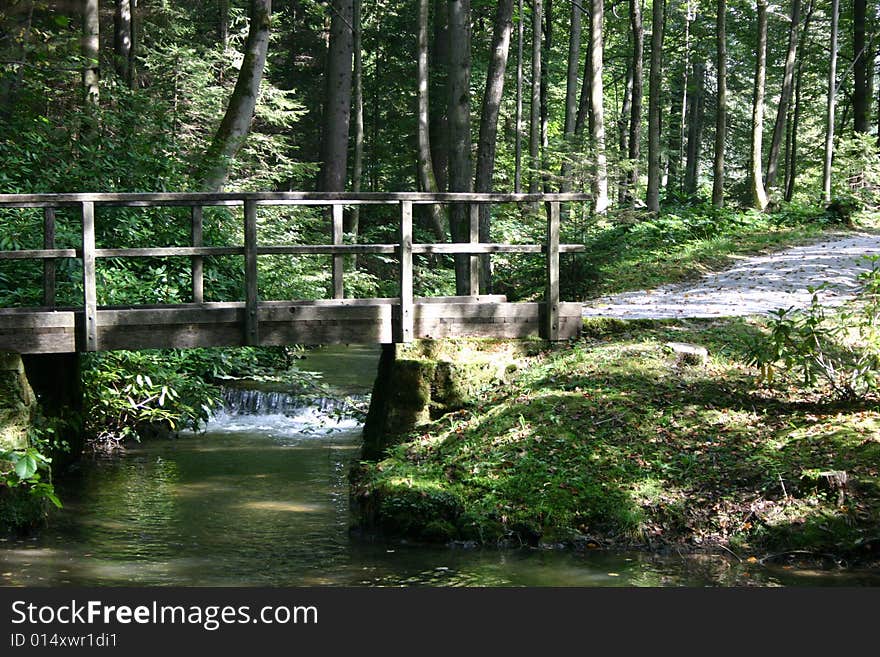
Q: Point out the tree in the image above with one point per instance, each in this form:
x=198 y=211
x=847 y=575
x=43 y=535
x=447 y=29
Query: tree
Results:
x=236 y=123
x=756 y=179
x=571 y=84
x=535 y=110
x=427 y=180
x=357 y=169
x=517 y=172
x=721 y=100
x=597 y=132
x=861 y=63
x=635 y=121
x=832 y=99
x=785 y=94
x=91 y=75
x=122 y=39
x=460 y=165
x=654 y=82
x=337 y=108
x=488 y=138
x=696 y=94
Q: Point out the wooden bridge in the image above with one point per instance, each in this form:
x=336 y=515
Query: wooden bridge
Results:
x=88 y=327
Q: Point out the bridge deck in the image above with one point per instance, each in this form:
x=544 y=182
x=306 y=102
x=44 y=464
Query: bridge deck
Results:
x=50 y=329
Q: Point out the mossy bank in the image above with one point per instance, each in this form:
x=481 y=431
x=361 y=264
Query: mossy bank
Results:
x=620 y=440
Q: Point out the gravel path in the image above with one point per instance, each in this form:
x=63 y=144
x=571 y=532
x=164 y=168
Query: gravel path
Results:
x=756 y=285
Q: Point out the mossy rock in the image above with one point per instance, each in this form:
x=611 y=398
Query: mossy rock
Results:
x=18 y=405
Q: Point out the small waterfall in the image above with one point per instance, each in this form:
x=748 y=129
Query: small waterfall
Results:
x=284 y=415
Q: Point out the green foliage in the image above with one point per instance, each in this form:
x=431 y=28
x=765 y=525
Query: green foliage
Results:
x=28 y=469
x=857 y=173
x=839 y=349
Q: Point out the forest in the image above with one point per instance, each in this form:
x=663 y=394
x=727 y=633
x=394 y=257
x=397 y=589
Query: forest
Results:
x=697 y=131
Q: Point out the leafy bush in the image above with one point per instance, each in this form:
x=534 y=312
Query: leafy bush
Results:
x=838 y=349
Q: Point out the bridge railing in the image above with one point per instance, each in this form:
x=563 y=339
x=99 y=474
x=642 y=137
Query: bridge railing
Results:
x=405 y=248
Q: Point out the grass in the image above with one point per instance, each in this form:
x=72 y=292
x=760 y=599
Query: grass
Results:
x=616 y=440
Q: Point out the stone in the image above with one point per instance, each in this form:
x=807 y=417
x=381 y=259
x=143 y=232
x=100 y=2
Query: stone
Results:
x=689 y=354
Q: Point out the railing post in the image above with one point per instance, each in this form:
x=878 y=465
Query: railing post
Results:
x=90 y=293
x=251 y=320
x=474 y=260
x=49 y=263
x=338 y=259
x=405 y=326
x=197 y=263
x=551 y=329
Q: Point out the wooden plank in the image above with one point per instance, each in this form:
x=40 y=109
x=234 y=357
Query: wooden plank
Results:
x=43 y=341
x=327 y=249
x=36 y=320
x=90 y=292
x=251 y=320
x=338 y=260
x=266 y=198
x=49 y=265
x=39 y=254
x=197 y=264
x=405 y=325
x=169 y=251
x=551 y=330
x=474 y=238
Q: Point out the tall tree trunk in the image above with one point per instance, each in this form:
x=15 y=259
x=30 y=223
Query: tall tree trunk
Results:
x=861 y=97
x=427 y=181
x=635 y=120
x=91 y=74
x=654 y=83
x=122 y=38
x=721 y=100
x=623 y=134
x=12 y=83
x=223 y=23
x=545 y=83
x=517 y=172
x=695 y=126
x=439 y=118
x=680 y=75
x=597 y=132
x=583 y=112
x=785 y=94
x=791 y=169
x=353 y=219
x=133 y=50
x=756 y=179
x=337 y=110
x=236 y=123
x=535 y=110
x=571 y=84
x=460 y=165
x=489 y=123
x=832 y=93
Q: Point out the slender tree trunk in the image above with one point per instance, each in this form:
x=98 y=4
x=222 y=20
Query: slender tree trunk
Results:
x=236 y=123
x=337 y=110
x=695 y=126
x=756 y=179
x=654 y=83
x=545 y=83
x=597 y=132
x=223 y=22
x=571 y=83
x=460 y=165
x=91 y=74
x=517 y=172
x=635 y=120
x=427 y=181
x=791 y=170
x=581 y=121
x=861 y=97
x=357 y=169
x=122 y=38
x=721 y=100
x=535 y=110
x=832 y=92
x=785 y=94
x=623 y=134
x=439 y=119
x=489 y=123
x=680 y=75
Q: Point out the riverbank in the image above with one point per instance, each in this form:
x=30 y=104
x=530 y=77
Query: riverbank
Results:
x=618 y=440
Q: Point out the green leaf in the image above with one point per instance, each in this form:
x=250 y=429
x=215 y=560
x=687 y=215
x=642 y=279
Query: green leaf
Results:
x=25 y=466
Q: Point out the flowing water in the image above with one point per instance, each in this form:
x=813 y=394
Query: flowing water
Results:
x=261 y=498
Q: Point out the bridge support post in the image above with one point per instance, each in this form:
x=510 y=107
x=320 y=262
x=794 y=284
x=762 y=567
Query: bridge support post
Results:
x=474 y=260
x=405 y=329
x=551 y=316
x=338 y=259
x=90 y=292
x=197 y=264
x=251 y=321
x=48 y=264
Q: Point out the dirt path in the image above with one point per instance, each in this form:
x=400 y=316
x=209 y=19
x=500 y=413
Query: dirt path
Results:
x=755 y=285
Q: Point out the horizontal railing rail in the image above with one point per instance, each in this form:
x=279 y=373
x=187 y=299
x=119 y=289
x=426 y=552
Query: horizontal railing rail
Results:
x=405 y=248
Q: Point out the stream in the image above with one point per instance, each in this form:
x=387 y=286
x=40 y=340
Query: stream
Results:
x=261 y=499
